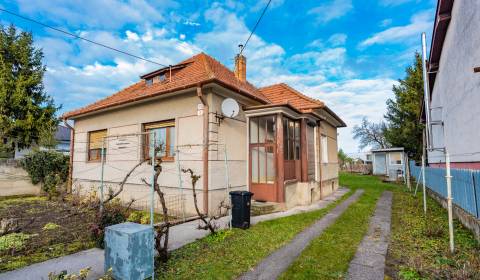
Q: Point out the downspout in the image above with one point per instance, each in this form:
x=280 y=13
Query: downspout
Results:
x=70 y=164
x=205 y=146
x=319 y=142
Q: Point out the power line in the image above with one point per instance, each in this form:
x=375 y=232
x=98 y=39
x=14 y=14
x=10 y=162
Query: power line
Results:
x=81 y=38
x=255 y=27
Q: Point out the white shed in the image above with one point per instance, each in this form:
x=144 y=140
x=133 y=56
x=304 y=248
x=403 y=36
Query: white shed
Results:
x=389 y=162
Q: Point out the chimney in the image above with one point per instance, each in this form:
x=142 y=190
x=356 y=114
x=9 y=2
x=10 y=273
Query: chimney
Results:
x=240 y=66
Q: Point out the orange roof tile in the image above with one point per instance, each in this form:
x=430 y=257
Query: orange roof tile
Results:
x=198 y=69
x=283 y=93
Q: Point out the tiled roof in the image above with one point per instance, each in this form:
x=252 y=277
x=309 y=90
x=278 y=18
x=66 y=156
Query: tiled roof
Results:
x=198 y=69
x=282 y=94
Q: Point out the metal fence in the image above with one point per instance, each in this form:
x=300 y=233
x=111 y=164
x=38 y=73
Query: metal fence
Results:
x=465 y=185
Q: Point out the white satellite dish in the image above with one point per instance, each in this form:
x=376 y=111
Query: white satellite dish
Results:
x=230 y=108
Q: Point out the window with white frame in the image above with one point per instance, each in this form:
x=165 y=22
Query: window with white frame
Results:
x=324 y=147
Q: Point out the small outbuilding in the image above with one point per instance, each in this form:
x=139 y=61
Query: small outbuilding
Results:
x=389 y=162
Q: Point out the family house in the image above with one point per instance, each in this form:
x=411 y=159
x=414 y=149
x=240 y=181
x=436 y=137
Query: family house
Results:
x=282 y=146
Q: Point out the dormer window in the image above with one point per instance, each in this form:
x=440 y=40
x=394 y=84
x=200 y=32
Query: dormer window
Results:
x=161 y=77
x=149 y=82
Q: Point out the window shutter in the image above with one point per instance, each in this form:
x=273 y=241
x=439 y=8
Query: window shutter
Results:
x=96 y=139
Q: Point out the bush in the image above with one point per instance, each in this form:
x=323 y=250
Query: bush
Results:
x=47 y=167
x=113 y=213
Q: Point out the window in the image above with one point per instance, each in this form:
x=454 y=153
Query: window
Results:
x=262 y=147
x=324 y=147
x=149 y=82
x=395 y=158
x=95 y=142
x=164 y=134
x=291 y=139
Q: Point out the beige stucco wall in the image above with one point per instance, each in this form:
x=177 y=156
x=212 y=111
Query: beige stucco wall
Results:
x=125 y=152
x=14 y=180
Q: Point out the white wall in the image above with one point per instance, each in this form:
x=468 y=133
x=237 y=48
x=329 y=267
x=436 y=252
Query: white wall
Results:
x=457 y=87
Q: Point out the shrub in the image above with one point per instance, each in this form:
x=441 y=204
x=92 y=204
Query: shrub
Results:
x=47 y=167
x=135 y=217
x=15 y=241
x=113 y=213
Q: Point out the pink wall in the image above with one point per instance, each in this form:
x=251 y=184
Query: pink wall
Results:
x=460 y=165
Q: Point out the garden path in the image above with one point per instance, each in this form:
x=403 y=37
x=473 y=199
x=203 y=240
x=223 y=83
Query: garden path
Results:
x=277 y=262
x=369 y=261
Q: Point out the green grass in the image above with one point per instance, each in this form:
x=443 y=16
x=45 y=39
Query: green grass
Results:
x=230 y=253
x=418 y=247
x=329 y=255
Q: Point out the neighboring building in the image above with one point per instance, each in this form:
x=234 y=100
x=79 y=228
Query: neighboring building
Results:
x=368 y=158
x=62 y=137
x=282 y=146
x=454 y=81
x=389 y=162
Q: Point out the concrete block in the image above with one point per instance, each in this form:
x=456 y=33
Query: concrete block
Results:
x=129 y=251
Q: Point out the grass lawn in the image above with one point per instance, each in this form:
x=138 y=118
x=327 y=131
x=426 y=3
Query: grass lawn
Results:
x=47 y=233
x=230 y=253
x=418 y=247
x=329 y=255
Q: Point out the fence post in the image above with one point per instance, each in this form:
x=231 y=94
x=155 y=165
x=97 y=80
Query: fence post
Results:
x=449 y=202
x=102 y=158
x=474 y=184
x=408 y=173
x=424 y=186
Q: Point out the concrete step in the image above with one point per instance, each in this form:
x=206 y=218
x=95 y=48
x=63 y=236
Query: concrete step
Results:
x=261 y=208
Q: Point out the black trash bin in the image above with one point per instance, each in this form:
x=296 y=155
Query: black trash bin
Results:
x=241 y=208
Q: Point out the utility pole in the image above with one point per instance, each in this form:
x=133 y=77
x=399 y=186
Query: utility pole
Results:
x=102 y=158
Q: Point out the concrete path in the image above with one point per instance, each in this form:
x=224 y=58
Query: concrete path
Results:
x=369 y=261
x=180 y=235
x=276 y=263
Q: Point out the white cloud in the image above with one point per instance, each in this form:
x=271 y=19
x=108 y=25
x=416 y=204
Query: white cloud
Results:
x=337 y=39
x=420 y=22
x=182 y=36
x=386 y=22
x=395 y=2
x=132 y=36
x=334 y=9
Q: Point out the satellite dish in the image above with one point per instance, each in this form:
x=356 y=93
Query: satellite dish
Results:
x=230 y=108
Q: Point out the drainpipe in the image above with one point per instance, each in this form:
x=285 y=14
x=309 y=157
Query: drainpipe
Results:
x=70 y=165
x=205 y=146
x=319 y=142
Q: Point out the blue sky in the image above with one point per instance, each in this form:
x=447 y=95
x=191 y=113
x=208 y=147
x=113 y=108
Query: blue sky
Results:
x=347 y=53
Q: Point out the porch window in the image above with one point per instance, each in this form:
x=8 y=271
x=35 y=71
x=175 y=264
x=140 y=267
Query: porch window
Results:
x=262 y=149
x=164 y=134
x=291 y=139
x=95 y=141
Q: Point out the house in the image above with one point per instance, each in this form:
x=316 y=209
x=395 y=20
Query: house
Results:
x=389 y=162
x=282 y=146
x=62 y=145
x=454 y=83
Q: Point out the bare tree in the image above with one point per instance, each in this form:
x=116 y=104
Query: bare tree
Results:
x=371 y=134
x=208 y=221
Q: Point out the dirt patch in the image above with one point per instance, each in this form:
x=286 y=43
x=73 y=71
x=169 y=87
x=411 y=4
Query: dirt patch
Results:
x=52 y=227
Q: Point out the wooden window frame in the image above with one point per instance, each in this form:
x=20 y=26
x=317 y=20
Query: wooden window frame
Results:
x=291 y=140
x=167 y=124
x=89 y=159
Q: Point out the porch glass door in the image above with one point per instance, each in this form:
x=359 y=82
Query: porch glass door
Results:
x=262 y=157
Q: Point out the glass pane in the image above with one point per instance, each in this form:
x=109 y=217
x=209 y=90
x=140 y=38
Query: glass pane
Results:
x=262 y=172
x=160 y=135
x=172 y=140
x=291 y=132
x=291 y=150
x=254 y=165
x=270 y=165
x=262 y=127
x=297 y=130
x=271 y=129
x=253 y=130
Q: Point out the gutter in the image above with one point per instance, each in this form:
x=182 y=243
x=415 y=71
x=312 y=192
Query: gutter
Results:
x=70 y=164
